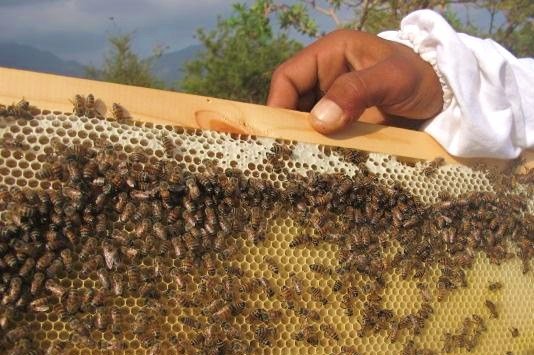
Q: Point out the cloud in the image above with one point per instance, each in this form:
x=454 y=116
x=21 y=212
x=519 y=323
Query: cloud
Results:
x=77 y=29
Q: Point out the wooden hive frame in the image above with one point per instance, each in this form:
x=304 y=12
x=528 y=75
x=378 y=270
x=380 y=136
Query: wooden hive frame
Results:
x=53 y=92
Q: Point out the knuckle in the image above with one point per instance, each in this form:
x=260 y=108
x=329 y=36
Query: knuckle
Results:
x=279 y=72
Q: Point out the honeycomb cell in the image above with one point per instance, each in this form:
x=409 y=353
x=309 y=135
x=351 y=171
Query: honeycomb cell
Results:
x=247 y=153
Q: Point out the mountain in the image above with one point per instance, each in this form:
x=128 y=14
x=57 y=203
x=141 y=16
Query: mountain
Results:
x=19 y=56
x=168 y=67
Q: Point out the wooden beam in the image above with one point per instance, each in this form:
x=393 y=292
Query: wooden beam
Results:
x=53 y=92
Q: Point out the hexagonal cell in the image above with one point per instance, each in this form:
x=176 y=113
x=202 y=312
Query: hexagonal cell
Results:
x=247 y=154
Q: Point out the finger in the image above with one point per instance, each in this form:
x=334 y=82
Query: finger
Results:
x=314 y=67
x=293 y=79
x=387 y=83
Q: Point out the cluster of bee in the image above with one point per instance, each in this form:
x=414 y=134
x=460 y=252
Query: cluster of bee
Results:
x=353 y=156
x=134 y=224
x=90 y=107
x=85 y=106
x=110 y=215
x=467 y=336
x=21 y=109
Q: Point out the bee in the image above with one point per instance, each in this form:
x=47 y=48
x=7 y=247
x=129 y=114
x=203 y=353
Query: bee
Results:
x=317 y=295
x=321 y=269
x=55 y=288
x=90 y=106
x=337 y=286
x=250 y=286
x=433 y=166
x=91 y=265
x=214 y=306
x=187 y=264
x=329 y=331
x=80 y=330
x=144 y=227
x=233 y=270
x=55 y=268
x=117 y=284
x=101 y=318
x=514 y=332
x=160 y=231
x=56 y=348
x=190 y=322
x=228 y=311
x=274 y=315
x=66 y=258
x=309 y=314
x=209 y=262
x=267 y=288
x=479 y=321
x=79 y=105
x=44 y=261
x=12 y=142
x=264 y=334
x=111 y=254
x=168 y=145
x=281 y=150
x=27 y=267
x=349 y=350
x=40 y=304
x=148 y=290
x=426 y=295
x=495 y=286
x=119 y=114
x=302 y=240
x=116 y=320
x=74 y=301
x=296 y=283
x=10 y=260
x=88 y=248
x=288 y=296
x=179 y=247
x=197 y=340
x=13 y=292
x=99 y=298
x=271 y=264
x=192 y=188
x=37 y=283
x=256 y=236
x=308 y=334
x=18 y=333
x=492 y=308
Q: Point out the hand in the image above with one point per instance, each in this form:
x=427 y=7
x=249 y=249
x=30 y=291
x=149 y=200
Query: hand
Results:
x=349 y=71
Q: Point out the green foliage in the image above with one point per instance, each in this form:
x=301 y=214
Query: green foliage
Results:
x=123 y=66
x=510 y=22
x=239 y=56
x=516 y=32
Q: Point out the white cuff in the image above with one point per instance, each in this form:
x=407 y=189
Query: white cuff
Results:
x=488 y=103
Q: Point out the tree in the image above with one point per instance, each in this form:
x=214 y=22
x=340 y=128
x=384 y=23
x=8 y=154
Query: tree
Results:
x=239 y=55
x=509 y=22
x=123 y=66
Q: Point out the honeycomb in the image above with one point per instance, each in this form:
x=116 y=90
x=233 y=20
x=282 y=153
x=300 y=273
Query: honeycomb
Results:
x=19 y=166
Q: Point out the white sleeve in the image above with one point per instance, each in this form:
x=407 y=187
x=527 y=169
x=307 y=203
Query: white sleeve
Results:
x=488 y=93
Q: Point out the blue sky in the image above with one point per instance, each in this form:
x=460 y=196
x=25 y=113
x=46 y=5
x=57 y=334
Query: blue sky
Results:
x=77 y=29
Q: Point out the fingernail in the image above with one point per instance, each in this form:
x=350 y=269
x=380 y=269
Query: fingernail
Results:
x=328 y=113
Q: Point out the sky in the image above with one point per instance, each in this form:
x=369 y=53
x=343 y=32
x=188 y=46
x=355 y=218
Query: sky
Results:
x=78 y=29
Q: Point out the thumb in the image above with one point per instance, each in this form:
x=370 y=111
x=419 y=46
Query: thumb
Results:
x=353 y=92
